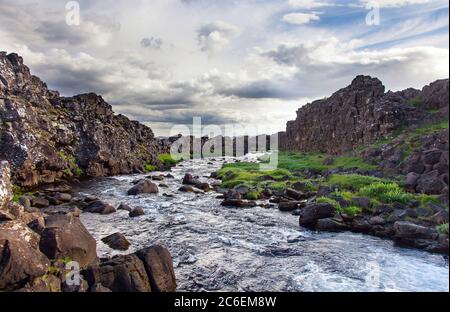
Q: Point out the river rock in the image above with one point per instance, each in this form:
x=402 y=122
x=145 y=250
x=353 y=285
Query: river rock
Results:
x=100 y=207
x=119 y=274
x=125 y=207
x=290 y=205
x=144 y=187
x=159 y=266
x=238 y=203
x=331 y=225
x=411 y=230
x=313 y=212
x=117 y=241
x=66 y=236
x=137 y=212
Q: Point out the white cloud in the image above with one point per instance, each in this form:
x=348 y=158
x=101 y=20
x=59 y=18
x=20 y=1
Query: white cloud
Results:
x=308 y=4
x=393 y=3
x=212 y=37
x=254 y=79
x=300 y=18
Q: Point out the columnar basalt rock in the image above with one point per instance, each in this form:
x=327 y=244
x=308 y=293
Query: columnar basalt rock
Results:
x=47 y=138
x=359 y=114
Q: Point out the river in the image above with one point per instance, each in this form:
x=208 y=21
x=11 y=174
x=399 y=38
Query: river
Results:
x=221 y=249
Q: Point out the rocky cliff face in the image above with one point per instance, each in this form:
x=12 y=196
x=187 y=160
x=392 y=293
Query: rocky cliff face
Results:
x=410 y=129
x=47 y=138
x=360 y=115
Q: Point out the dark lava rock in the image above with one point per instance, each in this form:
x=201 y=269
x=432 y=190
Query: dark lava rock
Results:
x=20 y=259
x=411 y=230
x=119 y=274
x=238 y=203
x=313 y=212
x=330 y=225
x=100 y=207
x=65 y=236
x=159 y=266
x=124 y=207
x=69 y=134
x=144 y=187
x=290 y=205
x=117 y=241
x=137 y=212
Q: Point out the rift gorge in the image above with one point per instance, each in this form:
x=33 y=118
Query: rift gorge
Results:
x=353 y=196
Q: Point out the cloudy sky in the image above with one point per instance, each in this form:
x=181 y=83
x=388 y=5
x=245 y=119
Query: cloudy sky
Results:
x=250 y=62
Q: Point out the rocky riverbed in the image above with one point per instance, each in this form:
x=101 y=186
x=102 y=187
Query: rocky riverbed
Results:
x=215 y=248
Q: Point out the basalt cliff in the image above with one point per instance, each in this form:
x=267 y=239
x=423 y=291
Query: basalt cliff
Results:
x=47 y=138
x=404 y=133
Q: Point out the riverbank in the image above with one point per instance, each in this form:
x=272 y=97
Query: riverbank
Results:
x=216 y=248
x=341 y=194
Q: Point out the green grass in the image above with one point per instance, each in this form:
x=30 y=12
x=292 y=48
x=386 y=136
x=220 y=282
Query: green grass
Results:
x=343 y=194
x=351 y=210
x=167 y=160
x=427 y=199
x=351 y=181
x=289 y=170
x=149 y=168
x=253 y=195
x=332 y=202
x=298 y=162
x=386 y=193
x=442 y=229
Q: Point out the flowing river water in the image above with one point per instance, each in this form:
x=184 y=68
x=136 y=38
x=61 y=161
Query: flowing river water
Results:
x=258 y=249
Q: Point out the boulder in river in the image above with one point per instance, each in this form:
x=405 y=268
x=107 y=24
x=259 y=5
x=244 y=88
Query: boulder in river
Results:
x=144 y=187
x=125 y=207
x=117 y=241
x=137 y=212
x=100 y=207
x=238 y=203
x=159 y=266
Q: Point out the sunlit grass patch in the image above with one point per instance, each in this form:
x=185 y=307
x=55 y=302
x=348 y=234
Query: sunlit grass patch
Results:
x=386 y=193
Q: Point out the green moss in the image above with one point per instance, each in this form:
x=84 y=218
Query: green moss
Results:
x=72 y=161
x=333 y=202
x=386 y=193
x=167 y=160
x=351 y=210
x=149 y=168
x=442 y=229
x=416 y=102
x=253 y=195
